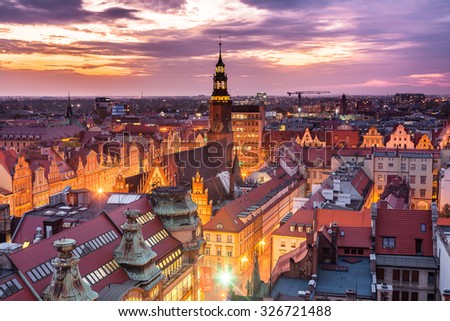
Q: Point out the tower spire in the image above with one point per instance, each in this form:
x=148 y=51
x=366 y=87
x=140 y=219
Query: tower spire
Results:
x=69 y=111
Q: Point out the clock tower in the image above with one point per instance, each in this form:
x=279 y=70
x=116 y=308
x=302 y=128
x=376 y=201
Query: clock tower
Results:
x=220 y=106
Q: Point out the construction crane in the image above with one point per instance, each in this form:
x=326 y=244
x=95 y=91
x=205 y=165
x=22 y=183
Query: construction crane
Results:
x=306 y=92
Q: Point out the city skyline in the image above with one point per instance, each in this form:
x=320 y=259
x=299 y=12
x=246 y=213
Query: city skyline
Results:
x=167 y=47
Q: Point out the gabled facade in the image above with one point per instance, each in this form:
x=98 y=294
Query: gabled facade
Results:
x=423 y=142
x=372 y=139
x=400 y=138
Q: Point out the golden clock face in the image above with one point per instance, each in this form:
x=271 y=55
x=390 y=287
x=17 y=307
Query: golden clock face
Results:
x=217 y=126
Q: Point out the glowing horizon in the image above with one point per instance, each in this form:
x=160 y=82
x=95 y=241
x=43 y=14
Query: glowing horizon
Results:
x=123 y=47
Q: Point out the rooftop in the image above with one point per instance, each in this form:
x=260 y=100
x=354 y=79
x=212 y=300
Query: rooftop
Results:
x=289 y=287
x=356 y=276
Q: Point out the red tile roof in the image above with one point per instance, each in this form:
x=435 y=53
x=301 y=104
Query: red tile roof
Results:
x=355 y=237
x=349 y=138
x=228 y=215
x=301 y=216
x=444 y=221
x=405 y=227
x=43 y=251
x=344 y=217
x=27 y=228
x=8 y=159
x=361 y=182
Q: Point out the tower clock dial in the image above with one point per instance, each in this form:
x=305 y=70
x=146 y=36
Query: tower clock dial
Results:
x=217 y=126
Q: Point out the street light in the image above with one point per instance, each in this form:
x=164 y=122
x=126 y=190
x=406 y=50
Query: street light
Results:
x=225 y=278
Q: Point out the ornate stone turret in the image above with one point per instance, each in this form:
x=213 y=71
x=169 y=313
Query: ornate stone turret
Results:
x=67 y=284
x=199 y=196
x=179 y=215
x=133 y=254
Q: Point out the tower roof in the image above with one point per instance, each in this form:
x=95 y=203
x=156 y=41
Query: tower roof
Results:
x=220 y=62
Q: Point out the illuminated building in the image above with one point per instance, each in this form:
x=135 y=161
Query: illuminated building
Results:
x=248 y=124
x=372 y=138
x=199 y=196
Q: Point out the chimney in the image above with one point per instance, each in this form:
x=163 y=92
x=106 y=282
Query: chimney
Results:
x=5 y=224
x=350 y=294
x=67 y=283
x=38 y=235
x=133 y=254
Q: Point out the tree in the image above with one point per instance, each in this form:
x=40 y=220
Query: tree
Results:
x=445 y=210
x=445 y=110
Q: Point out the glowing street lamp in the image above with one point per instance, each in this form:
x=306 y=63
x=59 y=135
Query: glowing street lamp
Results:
x=100 y=190
x=225 y=278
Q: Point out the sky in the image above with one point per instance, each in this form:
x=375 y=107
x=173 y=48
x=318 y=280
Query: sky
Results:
x=170 y=47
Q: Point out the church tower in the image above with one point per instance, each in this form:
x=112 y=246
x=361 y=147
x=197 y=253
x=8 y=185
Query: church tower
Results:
x=220 y=105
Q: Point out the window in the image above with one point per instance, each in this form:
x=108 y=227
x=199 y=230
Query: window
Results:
x=219 y=251
x=405 y=296
x=208 y=237
x=380 y=187
x=293 y=244
x=418 y=246
x=412 y=179
x=431 y=297
x=218 y=238
x=396 y=275
x=207 y=250
x=380 y=274
x=292 y=228
x=283 y=243
x=414 y=296
x=389 y=242
x=431 y=278
x=415 y=276
x=413 y=192
x=405 y=276
x=423 y=227
x=380 y=165
x=395 y=296
x=413 y=167
x=423 y=167
x=229 y=239
x=422 y=192
x=391 y=165
x=380 y=177
x=423 y=179
x=229 y=252
x=403 y=167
